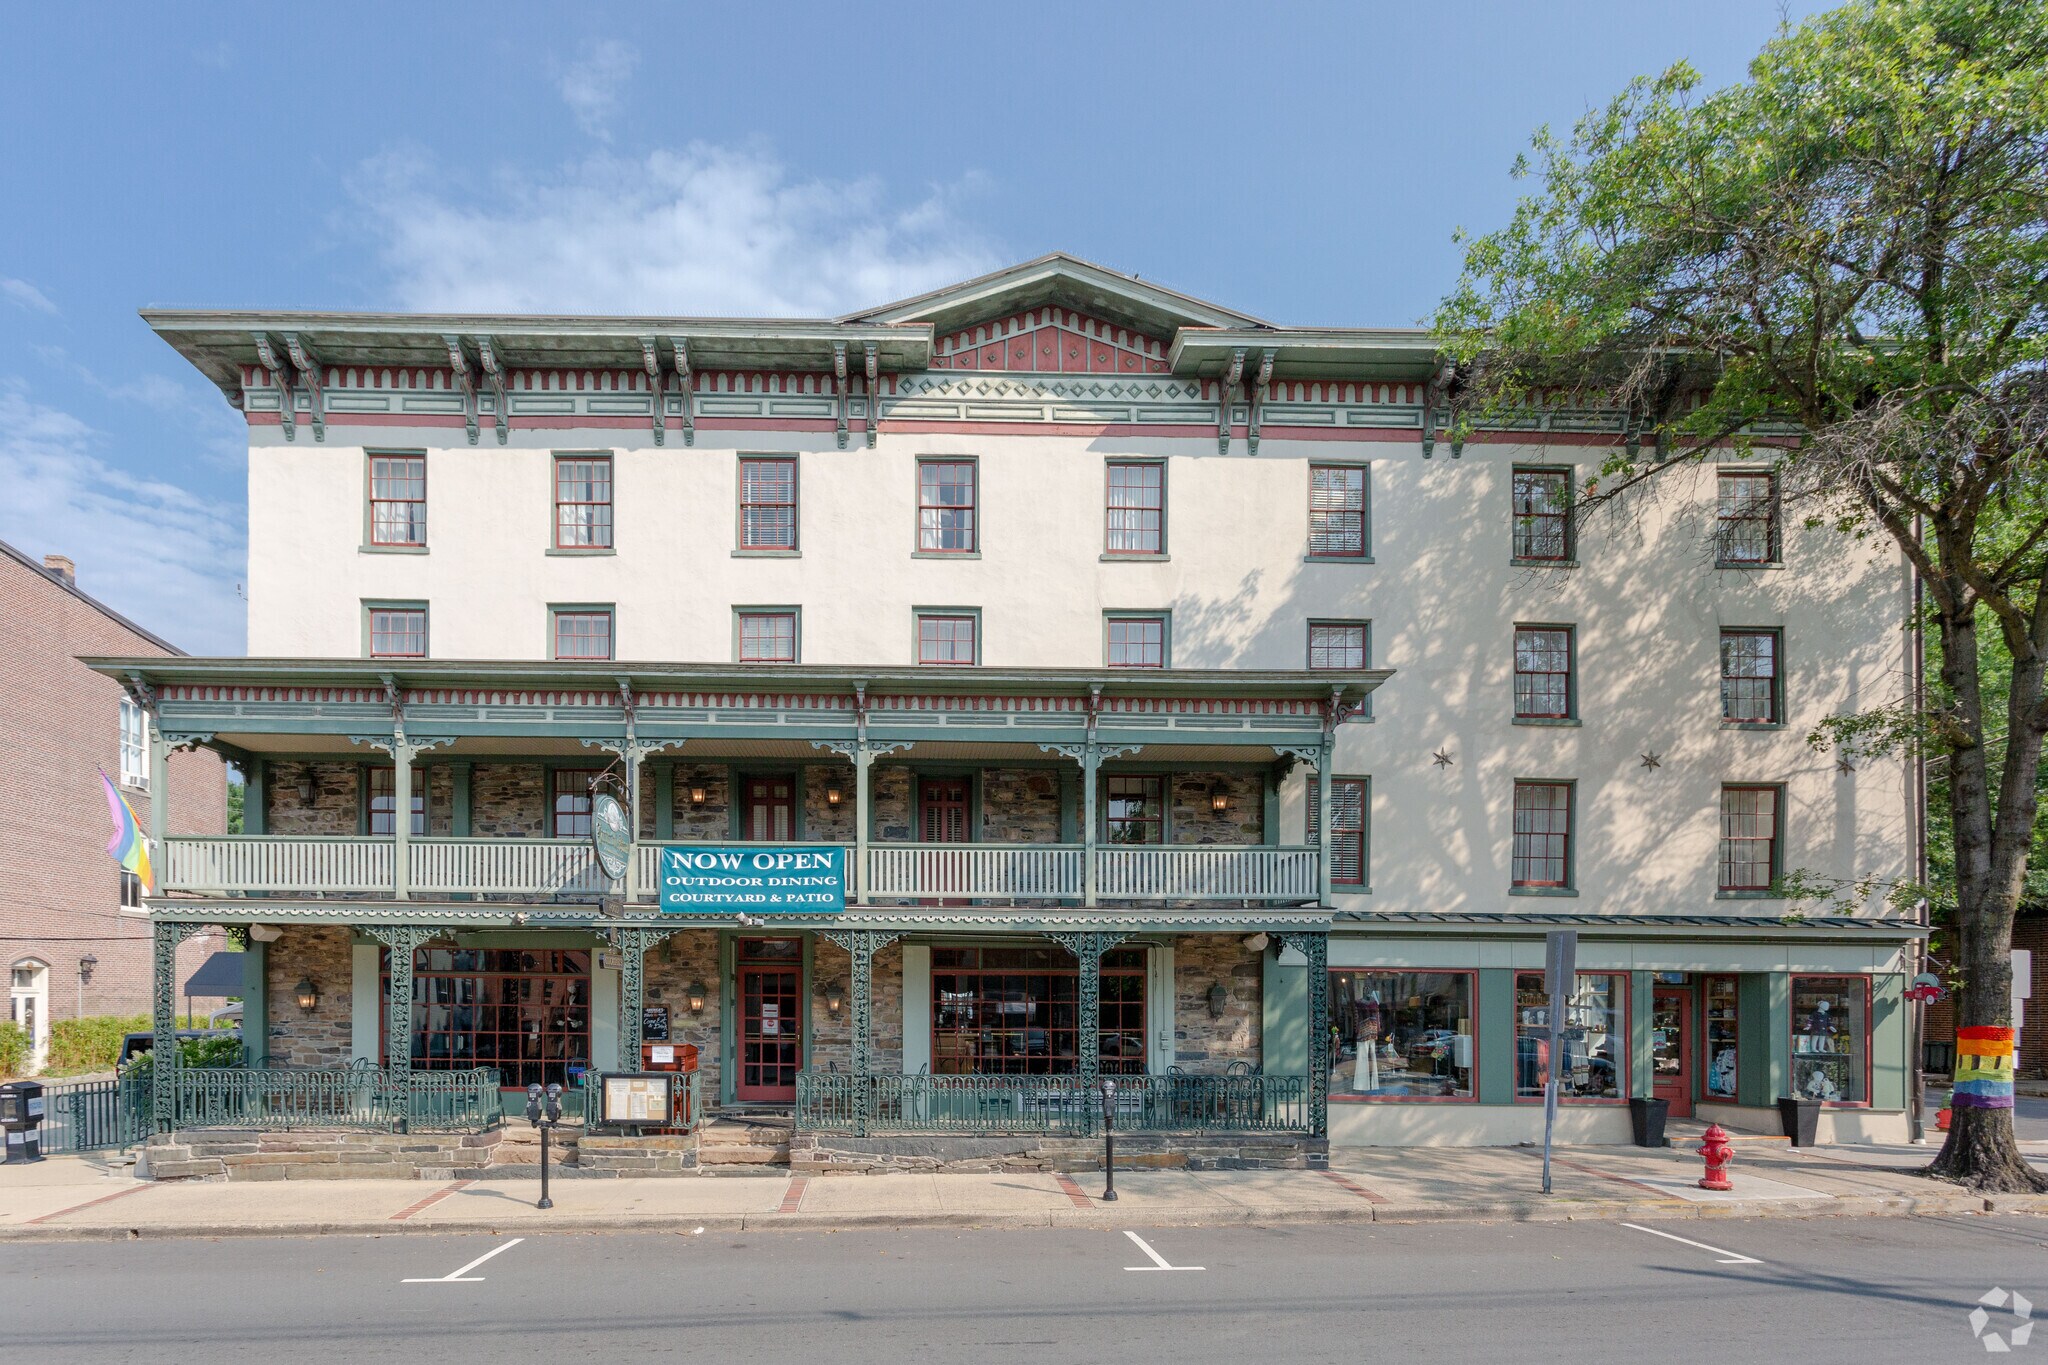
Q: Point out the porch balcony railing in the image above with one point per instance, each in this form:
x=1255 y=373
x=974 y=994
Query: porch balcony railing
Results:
x=1060 y=1105
x=358 y=1098
x=272 y=864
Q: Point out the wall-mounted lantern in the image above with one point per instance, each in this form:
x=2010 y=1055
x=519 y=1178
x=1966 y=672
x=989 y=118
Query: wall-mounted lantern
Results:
x=835 y=997
x=308 y=994
x=695 y=992
x=833 y=796
x=697 y=796
x=306 y=784
x=1218 y=998
x=85 y=966
x=1219 y=798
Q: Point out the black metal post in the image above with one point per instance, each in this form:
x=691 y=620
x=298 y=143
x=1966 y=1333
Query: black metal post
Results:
x=545 y=1202
x=1108 y=1141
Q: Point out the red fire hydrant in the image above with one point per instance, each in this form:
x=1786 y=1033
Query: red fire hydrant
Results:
x=1716 y=1148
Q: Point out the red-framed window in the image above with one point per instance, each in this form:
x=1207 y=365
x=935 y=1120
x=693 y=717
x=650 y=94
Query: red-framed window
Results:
x=1336 y=644
x=1543 y=672
x=1831 y=1039
x=525 y=1011
x=569 y=802
x=1594 y=1061
x=1542 y=514
x=1336 y=511
x=1136 y=511
x=398 y=500
x=948 y=521
x=952 y=640
x=767 y=504
x=1721 y=1006
x=1348 y=803
x=767 y=637
x=398 y=632
x=583 y=502
x=1134 y=809
x=585 y=633
x=1749 y=838
x=1136 y=642
x=384 y=801
x=1543 y=834
x=1746 y=518
x=1749 y=677
x=1016 y=1011
x=1403 y=1035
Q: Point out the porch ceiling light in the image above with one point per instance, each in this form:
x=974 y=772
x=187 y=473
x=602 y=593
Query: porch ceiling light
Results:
x=308 y=994
x=1219 y=798
x=835 y=996
x=695 y=992
x=1218 y=998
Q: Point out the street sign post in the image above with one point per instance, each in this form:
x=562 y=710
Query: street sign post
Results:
x=1560 y=965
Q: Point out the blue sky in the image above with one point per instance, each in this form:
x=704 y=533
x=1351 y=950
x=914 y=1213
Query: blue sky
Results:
x=1304 y=162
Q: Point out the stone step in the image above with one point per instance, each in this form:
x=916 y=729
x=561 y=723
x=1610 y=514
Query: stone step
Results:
x=777 y=1155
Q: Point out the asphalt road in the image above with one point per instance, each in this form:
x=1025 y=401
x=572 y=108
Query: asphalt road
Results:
x=1852 y=1290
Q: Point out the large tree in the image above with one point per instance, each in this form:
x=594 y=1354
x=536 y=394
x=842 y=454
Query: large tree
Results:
x=1840 y=264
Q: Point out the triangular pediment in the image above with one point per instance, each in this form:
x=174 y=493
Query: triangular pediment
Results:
x=1057 y=314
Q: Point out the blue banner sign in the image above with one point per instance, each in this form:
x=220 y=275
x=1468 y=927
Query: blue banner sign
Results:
x=717 y=879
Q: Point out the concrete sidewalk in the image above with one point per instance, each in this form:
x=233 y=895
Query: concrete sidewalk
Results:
x=70 y=1198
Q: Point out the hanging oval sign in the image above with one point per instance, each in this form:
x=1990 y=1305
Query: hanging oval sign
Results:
x=611 y=834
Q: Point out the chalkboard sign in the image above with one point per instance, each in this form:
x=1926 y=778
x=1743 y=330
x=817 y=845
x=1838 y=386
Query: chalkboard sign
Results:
x=654 y=1023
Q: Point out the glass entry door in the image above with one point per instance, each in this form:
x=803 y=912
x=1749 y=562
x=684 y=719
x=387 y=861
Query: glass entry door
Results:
x=771 y=1030
x=1671 y=1048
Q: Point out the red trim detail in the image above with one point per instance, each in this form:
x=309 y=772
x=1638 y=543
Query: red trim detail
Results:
x=1073 y=1192
x=1361 y=1191
x=103 y=1199
x=436 y=1197
x=793 y=1197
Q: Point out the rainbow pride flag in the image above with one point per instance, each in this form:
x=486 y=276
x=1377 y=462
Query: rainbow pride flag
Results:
x=128 y=847
x=1984 y=1068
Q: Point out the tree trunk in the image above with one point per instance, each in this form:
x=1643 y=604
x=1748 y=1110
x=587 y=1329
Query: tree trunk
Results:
x=1982 y=1151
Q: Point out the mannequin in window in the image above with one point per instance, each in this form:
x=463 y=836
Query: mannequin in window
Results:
x=1366 y=1075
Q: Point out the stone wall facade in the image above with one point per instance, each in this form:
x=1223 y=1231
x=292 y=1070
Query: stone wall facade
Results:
x=1020 y=806
x=324 y=956
x=710 y=822
x=1191 y=815
x=508 y=801
x=840 y=1154
x=824 y=822
x=1206 y=1045
x=832 y=1037
x=688 y=958
x=334 y=804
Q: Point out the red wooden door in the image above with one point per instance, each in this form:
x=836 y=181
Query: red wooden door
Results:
x=1671 y=1048
x=942 y=819
x=770 y=1034
x=768 y=806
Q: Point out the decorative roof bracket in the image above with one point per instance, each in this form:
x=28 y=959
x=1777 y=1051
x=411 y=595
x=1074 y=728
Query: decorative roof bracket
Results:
x=874 y=410
x=310 y=374
x=650 y=356
x=288 y=407
x=1258 y=397
x=1437 y=408
x=458 y=362
x=1231 y=377
x=496 y=372
x=839 y=386
x=683 y=385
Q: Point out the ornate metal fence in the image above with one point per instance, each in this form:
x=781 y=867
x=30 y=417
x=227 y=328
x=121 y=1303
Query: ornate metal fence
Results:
x=689 y=1101
x=95 y=1116
x=363 y=1099
x=1061 y=1105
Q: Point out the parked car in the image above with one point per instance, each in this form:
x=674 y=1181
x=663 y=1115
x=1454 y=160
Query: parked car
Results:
x=133 y=1045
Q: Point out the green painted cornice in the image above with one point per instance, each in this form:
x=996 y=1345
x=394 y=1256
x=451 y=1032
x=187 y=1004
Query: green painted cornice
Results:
x=1361 y=354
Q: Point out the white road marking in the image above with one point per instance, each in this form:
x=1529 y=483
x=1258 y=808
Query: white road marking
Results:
x=1727 y=1257
x=463 y=1276
x=1158 y=1261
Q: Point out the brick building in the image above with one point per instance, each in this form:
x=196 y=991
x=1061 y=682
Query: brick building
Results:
x=63 y=902
x=2030 y=933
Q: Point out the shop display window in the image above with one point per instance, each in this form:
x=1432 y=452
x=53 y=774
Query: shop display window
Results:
x=1721 y=1055
x=1831 y=1038
x=1402 y=1035
x=1593 y=1064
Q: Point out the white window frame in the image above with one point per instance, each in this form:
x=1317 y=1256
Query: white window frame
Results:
x=134 y=744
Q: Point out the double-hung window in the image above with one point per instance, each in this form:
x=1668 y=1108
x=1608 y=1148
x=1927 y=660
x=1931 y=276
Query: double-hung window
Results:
x=134 y=744
x=768 y=507
x=1336 y=644
x=1749 y=677
x=1336 y=511
x=1543 y=672
x=582 y=632
x=1347 y=827
x=767 y=637
x=583 y=502
x=1136 y=511
x=384 y=801
x=1134 y=810
x=947 y=512
x=1542 y=856
x=951 y=638
x=1135 y=640
x=398 y=500
x=569 y=812
x=1746 y=519
x=1542 y=519
x=1749 y=838
x=398 y=632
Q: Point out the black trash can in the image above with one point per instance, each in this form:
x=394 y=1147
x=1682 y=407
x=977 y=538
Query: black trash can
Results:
x=1801 y=1119
x=1648 y=1117
x=21 y=1121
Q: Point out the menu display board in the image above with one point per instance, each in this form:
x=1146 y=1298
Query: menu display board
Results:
x=654 y=1023
x=642 y=1098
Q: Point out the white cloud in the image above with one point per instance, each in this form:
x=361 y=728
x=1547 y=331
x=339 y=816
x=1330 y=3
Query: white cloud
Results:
x=705 y=231
x=22 y=294
x=155 y=552
x=590 y=85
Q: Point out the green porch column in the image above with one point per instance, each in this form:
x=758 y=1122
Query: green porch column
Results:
x=255 y=800
x=863 y=819
x=159 y=789
x=255 y=1003
x=1088 y=949
x=458 y=799
x=1325 y=879
x=1091 y=764
x=631 y=944
x=664 y=798
x=862 y=945
x=404 y=941
x=1315 y=947
x=165 y=936
x=401 y=817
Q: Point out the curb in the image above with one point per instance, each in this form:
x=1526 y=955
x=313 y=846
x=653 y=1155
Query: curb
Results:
x=1520 y=1211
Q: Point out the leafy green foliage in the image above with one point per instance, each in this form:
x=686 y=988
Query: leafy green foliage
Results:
x=15 y=1047
x=222 y=1051
x=79 y=1046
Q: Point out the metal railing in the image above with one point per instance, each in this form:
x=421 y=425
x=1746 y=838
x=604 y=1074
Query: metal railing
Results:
x=270 y=862
x=1061 y=1105
x=1203 y=872
x=92 y=1116
x=358 y=1098
x=1033 y=871
x=689 y=1103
